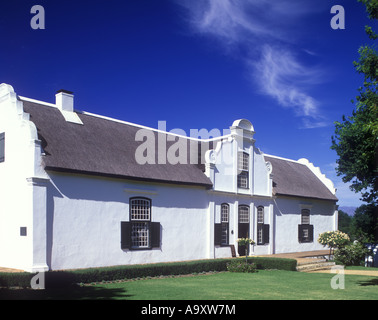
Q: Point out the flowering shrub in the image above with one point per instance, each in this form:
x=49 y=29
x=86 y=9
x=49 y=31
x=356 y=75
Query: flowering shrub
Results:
x=241 y=266
x=333 y=239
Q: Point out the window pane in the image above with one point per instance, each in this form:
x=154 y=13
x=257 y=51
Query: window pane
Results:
x=140 y=235
x=224 y=233
x=305 y=216
x=140 y=209
x=260 y=215
x=243 y=214
x=243 y=161
x=243 y=180
x=224 y=213
x=260 y=234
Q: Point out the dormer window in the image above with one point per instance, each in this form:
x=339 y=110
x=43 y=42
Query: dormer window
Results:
x=243 y=170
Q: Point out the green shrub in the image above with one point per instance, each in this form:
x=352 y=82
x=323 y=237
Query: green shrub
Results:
x=67 y=278
x=352 y=254
x=241 y=266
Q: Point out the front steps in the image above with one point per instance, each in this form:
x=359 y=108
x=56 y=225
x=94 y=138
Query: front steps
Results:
x=311 y=264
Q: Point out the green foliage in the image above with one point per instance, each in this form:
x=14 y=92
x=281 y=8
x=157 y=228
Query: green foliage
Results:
x=352 y=254
x=364 y=224
x=241 y=266
x=355 y=140
x=69 y=278
x=345 y=222
x=371 y=8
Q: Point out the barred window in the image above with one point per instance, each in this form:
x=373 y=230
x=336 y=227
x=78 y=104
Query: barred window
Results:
x=243 y=214
x=140 y=232
x=141 y=209
x=140 y=215
x=140 y=235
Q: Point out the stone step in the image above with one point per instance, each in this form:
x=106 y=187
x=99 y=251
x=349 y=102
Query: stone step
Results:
x=306 y=261
x=315 y=266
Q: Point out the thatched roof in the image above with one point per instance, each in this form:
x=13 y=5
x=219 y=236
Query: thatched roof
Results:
x=102 y=147
x=105 y=147
x=291 y=178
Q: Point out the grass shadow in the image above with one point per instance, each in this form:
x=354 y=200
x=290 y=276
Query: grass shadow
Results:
x=370 y=282
x=73 y=292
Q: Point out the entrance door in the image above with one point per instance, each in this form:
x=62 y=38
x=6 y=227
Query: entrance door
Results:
x=243 y=226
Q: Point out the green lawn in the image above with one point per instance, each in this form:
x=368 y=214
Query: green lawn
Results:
x=262 y=285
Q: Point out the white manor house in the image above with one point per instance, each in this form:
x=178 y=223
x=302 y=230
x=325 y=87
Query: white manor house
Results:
x=82 y=190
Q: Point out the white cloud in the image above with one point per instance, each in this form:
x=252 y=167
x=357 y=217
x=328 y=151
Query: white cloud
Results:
x=263 y=29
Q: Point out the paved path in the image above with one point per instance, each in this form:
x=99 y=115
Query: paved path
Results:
x=10 y=270
x=302 y=256
x=372 y=273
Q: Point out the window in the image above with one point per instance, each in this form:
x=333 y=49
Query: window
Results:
x=2 y=147
x=305 y=229
x=140 y=232
x=305 y=216
x=260 y=215
x=243 y=214
x=221 y=236
x=225 y=212
x=243 y=170
x=262 y=229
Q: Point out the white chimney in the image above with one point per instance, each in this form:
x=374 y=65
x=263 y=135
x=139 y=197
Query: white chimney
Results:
x=64 y=100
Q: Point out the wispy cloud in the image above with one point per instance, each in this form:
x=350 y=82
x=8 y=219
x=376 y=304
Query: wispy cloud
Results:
x=264 y=32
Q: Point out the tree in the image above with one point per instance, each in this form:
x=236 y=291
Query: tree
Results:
x=363 y=223
x=356 y=137
x=344 y=222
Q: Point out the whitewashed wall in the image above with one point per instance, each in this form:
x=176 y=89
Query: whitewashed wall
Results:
x=21 y=188
x=85 y=215
x=288 y=216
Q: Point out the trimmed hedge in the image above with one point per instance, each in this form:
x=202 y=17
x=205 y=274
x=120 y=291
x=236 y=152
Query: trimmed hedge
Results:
x=72 y=277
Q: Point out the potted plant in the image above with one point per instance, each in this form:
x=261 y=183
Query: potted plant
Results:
x=245 y=242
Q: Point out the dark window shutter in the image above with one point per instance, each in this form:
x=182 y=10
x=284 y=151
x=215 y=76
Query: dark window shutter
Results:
x=125 y=235
x=300 y=232
x=310 y=233
x=2 y=147
x=266 y=233
x=155 y=234
x=217 y=234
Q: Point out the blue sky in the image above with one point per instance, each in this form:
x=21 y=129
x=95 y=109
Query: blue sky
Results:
x=197 y=64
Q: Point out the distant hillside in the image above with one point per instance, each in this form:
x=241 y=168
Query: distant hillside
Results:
x=348 y=210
